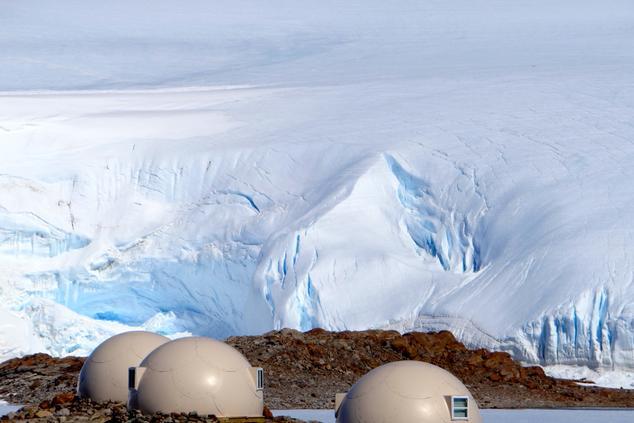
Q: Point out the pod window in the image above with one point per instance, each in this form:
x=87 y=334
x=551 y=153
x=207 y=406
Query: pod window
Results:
x=459 y=408
x=260 y=378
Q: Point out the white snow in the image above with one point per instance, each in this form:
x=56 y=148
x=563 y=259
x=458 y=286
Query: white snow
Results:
x=227 y=167
x=620 y=378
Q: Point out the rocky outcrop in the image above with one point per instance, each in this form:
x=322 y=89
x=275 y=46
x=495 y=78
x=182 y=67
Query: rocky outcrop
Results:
x=36 y=378
x=305 y=370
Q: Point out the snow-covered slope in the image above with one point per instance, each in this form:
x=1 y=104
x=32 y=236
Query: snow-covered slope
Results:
x=232 y=167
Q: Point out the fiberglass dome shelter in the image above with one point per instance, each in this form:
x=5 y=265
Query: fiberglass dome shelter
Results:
x=197 y=374
x=406 y=392
x=104 y=375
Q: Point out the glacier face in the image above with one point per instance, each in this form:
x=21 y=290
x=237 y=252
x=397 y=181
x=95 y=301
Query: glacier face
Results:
x=223 y=168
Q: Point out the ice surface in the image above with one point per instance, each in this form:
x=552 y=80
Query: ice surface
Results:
x=557 y=416
x=230 y=167
x=323 y=416
x=501 y=416
x=6 y=408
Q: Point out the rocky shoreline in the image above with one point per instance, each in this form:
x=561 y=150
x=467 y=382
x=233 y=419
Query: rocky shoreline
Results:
x=306 y=370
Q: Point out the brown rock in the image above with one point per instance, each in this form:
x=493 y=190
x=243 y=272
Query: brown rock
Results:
x=404 y=347
x=42 y=414
x=266 y=412
x=497 y=360
x=63 y=398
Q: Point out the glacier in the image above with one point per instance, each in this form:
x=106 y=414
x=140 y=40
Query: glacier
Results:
x=232 y=167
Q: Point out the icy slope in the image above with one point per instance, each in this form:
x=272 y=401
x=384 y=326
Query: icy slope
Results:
x=232 y=167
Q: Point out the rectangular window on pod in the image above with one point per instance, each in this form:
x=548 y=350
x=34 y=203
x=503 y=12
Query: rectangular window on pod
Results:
x=260 y=379
x=459 y=408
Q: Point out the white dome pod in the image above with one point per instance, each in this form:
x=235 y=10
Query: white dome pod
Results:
x=406 y=392
x=197 y=374
x=104 y=375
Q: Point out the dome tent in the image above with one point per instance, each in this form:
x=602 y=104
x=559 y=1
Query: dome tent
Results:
x=197 y=374
x=405 y=392
x=104 y=375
